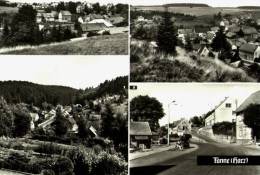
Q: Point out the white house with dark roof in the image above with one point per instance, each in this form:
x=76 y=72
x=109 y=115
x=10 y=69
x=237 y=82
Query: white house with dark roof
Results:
x=65 y=15
x=203 y=51
x=224 y=111
x=182 y=126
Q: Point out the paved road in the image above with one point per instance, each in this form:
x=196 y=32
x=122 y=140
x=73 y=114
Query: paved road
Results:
x=163 y=164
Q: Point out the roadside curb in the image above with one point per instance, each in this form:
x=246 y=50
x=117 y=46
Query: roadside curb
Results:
x=194 y=148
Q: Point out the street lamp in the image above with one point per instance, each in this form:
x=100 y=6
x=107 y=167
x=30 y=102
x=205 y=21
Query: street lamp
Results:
x=172 y=102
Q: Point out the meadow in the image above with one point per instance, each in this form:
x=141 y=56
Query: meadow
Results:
x=98 y=45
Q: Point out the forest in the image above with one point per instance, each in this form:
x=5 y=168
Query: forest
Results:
x=36 y=94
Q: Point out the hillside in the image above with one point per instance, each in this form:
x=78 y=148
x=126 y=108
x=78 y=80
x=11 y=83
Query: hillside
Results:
x=117 y=86
x=185 y=67
x=249 y=7
x=27 y=92
x=99 y=45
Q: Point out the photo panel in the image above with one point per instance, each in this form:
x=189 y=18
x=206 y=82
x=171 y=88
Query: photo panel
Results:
x=64 y=115
x=194 y=41
x=64 y=27
x=194 y=128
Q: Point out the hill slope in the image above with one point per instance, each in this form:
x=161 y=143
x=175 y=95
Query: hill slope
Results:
x=31 y=93
x=27 y=92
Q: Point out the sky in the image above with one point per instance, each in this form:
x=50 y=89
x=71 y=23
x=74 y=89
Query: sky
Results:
x=73 y=71
x=214 y=3
x=192 y=99
x=90 y=1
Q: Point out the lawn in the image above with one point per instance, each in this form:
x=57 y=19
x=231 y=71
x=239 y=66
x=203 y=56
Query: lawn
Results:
x=116 y=44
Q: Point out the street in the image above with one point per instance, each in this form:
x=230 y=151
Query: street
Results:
x=165 y=163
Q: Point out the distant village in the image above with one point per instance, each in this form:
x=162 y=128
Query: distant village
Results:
x=242 y=32
x=80 y=19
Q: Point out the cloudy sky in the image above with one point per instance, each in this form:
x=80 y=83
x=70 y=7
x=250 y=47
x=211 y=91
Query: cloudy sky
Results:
x=192 y=98
x=216 y=3
x=90 y=1
x=73 y=71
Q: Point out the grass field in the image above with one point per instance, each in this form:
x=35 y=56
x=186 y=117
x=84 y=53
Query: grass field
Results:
x=8 y=9
x=116 y=44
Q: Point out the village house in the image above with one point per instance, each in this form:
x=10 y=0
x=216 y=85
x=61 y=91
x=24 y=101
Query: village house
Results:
x=250 y=33
x=244 y=133
x=181 y=127
x=140 y=135
x=222 y=112
x=65 y=16
x=249 y=52
x=42 y=16
x=203 y=51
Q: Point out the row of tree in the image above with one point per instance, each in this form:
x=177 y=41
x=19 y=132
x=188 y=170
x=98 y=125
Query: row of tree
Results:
x=23 y=29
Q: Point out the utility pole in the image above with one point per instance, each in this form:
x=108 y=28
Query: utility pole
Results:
x=169 y=113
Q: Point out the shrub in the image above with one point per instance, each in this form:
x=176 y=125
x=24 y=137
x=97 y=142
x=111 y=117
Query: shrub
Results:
x=107 y=32
x=47 y=172
x=90 y=34
x=63 y=166
x=87 y=162
x=211 y=54
x=111 y=164
x=223 y=128
x=50 y=148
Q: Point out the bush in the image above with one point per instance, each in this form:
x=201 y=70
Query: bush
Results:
x=107 y=32
x=63 y=166
x=87 y=162
x=47 y=172
x=211 y=54
x=49 y=148
x=223 y=128
x=185 y=139
x=109 y=164
x=90 y=34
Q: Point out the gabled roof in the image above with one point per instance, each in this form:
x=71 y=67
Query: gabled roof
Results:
x=249 y=48
x=140 y=129
x=252 y=99
x=201 y=49
x=216 y=107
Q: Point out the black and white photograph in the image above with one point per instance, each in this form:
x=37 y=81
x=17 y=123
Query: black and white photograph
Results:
x=195 y=41
x=171 y=124
x=64 y=27
x=69 y=117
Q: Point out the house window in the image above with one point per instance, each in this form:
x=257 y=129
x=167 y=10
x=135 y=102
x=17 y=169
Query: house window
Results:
x=228 y=105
